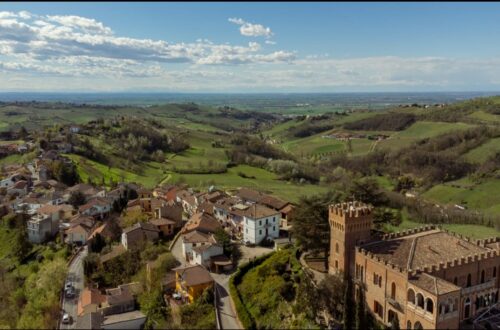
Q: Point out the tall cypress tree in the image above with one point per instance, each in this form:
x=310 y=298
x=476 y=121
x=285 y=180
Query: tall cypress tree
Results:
x=349 y=310
x=360 y=310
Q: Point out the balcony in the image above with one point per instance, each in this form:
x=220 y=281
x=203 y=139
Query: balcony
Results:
x=395 y=304
x=479 y=287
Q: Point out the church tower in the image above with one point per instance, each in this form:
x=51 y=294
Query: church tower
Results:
x=350 y=225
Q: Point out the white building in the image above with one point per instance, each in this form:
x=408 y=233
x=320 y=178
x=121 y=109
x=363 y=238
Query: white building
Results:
x=195 y=239
x=41 y=227
x=260 y=222
x=203 y=253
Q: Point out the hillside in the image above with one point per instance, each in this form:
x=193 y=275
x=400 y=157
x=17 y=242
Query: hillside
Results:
x=447 y=152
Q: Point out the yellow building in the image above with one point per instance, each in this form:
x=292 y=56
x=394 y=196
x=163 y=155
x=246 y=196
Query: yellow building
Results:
x=191 y=281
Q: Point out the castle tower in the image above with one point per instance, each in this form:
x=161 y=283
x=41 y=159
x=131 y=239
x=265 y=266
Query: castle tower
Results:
x=350 y=225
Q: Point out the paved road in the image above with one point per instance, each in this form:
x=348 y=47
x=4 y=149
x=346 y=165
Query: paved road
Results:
x=75 y=275
x=228 y=316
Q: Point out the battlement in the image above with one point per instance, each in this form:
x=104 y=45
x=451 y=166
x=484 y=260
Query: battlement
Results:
x=350 y=209
x=408 y=232
x=379 y=260
x=455 y=262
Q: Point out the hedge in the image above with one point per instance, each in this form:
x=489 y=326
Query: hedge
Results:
x=246 y=319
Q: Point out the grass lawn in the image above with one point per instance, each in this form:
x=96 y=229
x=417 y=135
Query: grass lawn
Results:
x=485 y=116
x=314 y=144
x=484 y=196
x=481 y=153
x=264 y=180
x=11 y=159
x=151 y=176
x=420 y=130
x=472 y=231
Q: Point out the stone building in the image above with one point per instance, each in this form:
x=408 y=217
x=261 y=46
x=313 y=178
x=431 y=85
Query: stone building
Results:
x=426 y=277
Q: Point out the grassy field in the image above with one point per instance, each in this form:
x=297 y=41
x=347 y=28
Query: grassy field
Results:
x=485 y=117
x=151 y=176
x=484 y=196
x=472 y=231
x=420 y=130
x=313 y=144
x=481 y=153
x=264 y=180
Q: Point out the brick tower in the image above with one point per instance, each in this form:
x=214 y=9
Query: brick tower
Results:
x=350 y=225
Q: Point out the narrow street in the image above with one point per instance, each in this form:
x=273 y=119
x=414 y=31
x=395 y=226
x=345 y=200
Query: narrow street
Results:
x=76 y=277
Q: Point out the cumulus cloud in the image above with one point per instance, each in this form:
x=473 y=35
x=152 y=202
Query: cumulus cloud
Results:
x=248 y=29
x=50 y=37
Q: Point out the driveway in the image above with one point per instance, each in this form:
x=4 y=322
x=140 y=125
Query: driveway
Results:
x=76 y=277
x=249 y=253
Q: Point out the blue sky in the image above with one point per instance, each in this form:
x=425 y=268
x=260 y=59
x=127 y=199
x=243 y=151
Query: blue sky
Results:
x=238 y=47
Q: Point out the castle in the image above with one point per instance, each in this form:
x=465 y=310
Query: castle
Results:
x=427 y=277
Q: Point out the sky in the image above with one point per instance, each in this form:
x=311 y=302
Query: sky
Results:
x=249 y=47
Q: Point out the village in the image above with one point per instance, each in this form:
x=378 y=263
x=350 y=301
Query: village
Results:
x=129 y=216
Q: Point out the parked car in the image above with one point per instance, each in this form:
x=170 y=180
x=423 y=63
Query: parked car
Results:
x=66 y=318
x=70 y=292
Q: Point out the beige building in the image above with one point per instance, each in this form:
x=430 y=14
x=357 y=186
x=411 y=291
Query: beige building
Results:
x=426 y=277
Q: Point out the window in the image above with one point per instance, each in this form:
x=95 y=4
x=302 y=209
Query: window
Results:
x=194 y=244
x=482 y=276
x=260 y=232
x=246 y=230
x=274 y=219
x=418 y=326
x=494 y=272
x=246 y=221
x=455 y=280
x=420 y=300
x=393 y=290
x=260 y=223
x=336 y=264
x=274 y=228
x=337 y=247
x=429 y=305
x=267 y=221
x=408 y=325
x=469 y=280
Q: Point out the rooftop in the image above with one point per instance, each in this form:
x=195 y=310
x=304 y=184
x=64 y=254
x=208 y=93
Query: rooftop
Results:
x=194 y=275
x=432 y=284
x=423 y=249
x=122 y=317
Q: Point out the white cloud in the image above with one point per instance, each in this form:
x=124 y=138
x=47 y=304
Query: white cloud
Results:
x=251 y=30
x=270 y=42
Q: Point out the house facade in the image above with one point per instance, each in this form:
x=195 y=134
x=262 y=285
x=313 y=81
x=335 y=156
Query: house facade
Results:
x=260 y=222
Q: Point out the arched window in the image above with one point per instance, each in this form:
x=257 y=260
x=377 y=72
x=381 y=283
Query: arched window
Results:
x=337 y=247
x=393 y=290
x=482 y=276
x=469 y=280
x=420 y=300
x=336 y=264
x=429 y=305
x=408 y=325
x=455 y=280
x=411 y=296
x=418 y=326
x=494 y=272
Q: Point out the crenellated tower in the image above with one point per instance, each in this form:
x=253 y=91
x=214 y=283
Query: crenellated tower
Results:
x=350 y=225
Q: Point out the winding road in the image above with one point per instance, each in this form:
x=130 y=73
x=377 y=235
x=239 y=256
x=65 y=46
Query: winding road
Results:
x=76 y=277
